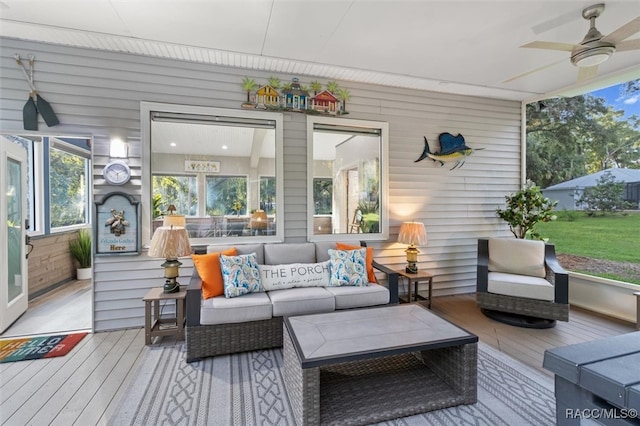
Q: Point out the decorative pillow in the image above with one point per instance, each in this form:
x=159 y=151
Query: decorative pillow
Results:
x=369 y=259
x=277 y=277
x=208 y=267
x=348 y=267
x=240 y=275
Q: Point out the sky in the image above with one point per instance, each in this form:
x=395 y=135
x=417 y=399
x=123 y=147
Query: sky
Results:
x=616 y=98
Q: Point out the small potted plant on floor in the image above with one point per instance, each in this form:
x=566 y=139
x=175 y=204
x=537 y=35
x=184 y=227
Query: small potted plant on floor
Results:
x=80 y=248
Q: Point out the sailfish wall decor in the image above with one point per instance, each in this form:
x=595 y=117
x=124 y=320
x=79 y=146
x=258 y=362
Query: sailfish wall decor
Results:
x=452 y=149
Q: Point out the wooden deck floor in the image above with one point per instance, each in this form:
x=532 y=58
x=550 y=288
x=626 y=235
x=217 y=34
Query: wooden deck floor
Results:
x=84 y=387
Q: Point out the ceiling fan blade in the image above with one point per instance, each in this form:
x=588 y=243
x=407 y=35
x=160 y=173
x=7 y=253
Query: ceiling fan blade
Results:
x=533 y=71
x=550 y=45
x=628 y=45
x=627 y=30
x=587 y=73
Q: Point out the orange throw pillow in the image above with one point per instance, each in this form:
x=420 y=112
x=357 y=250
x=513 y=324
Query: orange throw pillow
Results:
x=371 y=276
x=208 y=267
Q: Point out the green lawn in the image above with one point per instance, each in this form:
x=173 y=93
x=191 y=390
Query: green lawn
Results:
x=611 y=237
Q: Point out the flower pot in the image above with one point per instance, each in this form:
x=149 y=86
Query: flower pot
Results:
x=84 y=273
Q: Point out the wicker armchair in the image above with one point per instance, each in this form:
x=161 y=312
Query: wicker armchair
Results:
x=528 y=301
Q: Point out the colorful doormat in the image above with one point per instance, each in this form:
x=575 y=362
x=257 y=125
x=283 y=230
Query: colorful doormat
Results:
x=38 y=347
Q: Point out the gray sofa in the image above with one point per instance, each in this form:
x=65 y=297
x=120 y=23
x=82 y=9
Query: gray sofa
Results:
x=219 y=325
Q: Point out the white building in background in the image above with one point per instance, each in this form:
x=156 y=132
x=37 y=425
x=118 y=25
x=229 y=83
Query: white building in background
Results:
x=568 y=193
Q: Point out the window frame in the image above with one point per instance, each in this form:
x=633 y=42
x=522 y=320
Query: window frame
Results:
x=383 y=127
x=147 y=108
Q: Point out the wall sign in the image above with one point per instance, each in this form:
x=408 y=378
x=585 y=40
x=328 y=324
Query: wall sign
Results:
x=117 y=224
x=201 y=166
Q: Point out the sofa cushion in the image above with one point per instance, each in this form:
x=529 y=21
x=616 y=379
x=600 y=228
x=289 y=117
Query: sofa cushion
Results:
x=278 y=277
x=208 y=267
x=282 y=253
x=250 y=307
x=242 y=249
x=517 y=256
x=520 y=286
x=300 y=301
x=322 y=250
x=348 y=267
x=240 y=274
x=348 y=297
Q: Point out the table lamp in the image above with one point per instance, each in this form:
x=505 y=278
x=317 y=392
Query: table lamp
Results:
x=258 y=220
x=171 y=241
x=412 y=233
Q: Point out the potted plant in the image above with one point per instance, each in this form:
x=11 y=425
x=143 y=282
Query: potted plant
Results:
x=525 y=209
x=80 y=249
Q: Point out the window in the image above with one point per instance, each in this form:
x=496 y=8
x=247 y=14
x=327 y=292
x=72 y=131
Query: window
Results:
x=68 y=186
x=322 y=196
x=268 y=194
x=181 y=191
x=347 y=178
x=219 y=166
x=58 y=182
x=226 y=195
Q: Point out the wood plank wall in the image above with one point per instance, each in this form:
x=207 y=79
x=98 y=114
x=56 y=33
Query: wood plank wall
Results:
x=50 y=262
x=98 y=94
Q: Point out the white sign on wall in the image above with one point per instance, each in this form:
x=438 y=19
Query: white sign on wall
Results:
x=202 y=166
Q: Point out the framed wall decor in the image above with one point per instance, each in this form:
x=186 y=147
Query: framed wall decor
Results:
x=117 y=224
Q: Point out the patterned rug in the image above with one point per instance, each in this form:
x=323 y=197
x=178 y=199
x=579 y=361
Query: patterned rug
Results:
x=30 y=348
x=248 y=389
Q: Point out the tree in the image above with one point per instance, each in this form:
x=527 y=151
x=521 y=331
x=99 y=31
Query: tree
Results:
x=525 y=209
x=605 y=197
x=559 y=131
x=315 y=86
x=343 y=95
x=249 y=85
x=572 y=137
x=332 y=86
x=631 y=87
x=274 y=82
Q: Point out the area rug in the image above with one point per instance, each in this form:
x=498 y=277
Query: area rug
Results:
x=30 y=348
x=248 y=389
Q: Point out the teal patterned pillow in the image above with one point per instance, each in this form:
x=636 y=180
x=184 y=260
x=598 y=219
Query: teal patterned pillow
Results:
x=240 y=275
x=348 y=267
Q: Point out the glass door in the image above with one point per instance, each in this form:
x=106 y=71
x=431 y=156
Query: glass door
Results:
x=13 y=210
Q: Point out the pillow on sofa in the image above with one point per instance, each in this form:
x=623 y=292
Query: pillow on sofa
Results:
x=369 y=259
x=276 y=277
x=348 y=267
x=240 y=275
x=208 y=267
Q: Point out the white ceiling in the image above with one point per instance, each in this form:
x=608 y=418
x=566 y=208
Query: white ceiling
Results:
x=455 y=46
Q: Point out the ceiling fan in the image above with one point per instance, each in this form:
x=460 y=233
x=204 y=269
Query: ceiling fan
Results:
x=594 y=48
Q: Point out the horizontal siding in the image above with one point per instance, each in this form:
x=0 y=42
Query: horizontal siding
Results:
x=98 y=94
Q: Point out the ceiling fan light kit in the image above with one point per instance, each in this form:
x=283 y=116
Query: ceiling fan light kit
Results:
x=592 y=55
x=594 y=48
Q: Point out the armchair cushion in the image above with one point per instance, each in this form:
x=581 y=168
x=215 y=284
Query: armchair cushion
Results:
x=520 y=286
x=517 y=256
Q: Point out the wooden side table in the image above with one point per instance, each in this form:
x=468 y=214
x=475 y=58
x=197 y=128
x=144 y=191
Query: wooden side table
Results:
x=156 y=326
x=420 y=276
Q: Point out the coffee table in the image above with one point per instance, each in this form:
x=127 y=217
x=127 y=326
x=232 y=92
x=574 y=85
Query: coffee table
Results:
x=369 y=365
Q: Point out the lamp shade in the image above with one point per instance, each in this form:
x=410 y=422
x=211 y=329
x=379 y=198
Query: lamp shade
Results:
x=413 y=233
x=174 y=220
x=258 y=220
x=170 y=242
